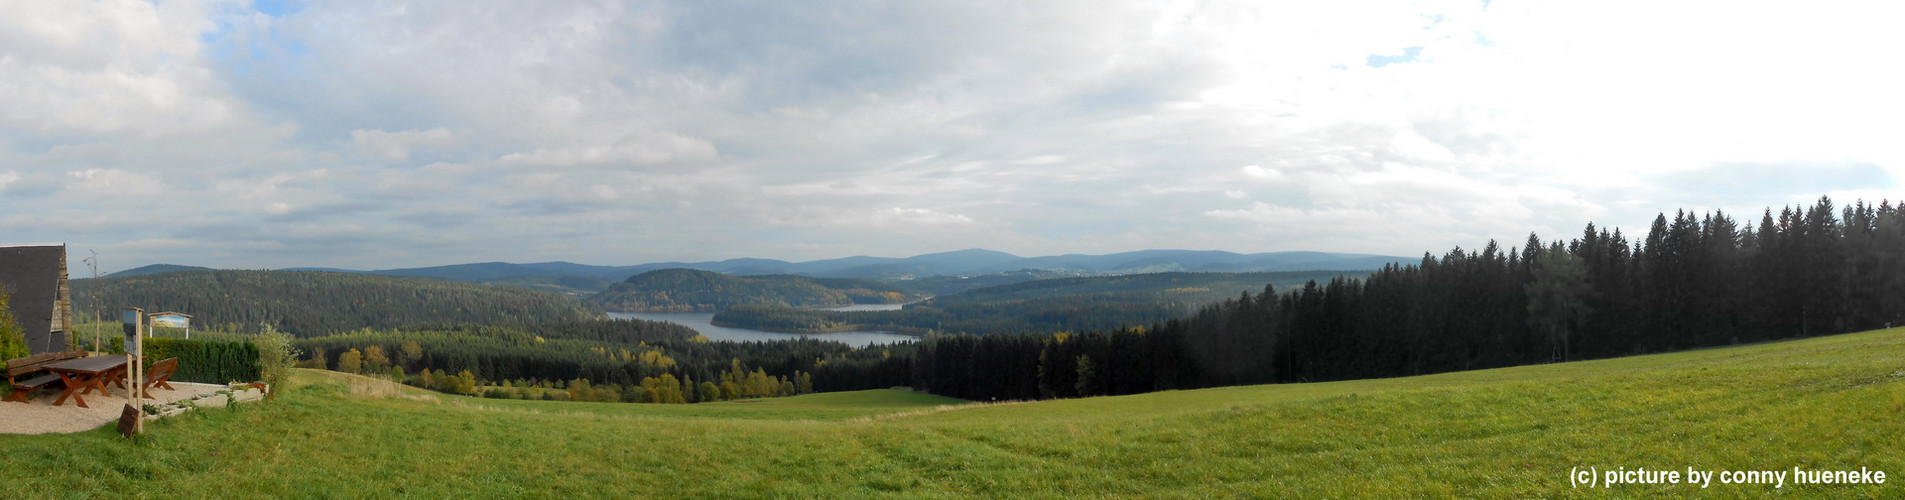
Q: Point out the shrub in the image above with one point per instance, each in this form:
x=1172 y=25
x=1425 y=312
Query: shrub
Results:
x=208 y=361
x=275 y=358
x=12 y=338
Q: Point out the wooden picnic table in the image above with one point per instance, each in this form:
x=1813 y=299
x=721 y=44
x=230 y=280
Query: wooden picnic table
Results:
x=87 y=374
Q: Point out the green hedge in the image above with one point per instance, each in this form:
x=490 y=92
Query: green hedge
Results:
x=207 y=361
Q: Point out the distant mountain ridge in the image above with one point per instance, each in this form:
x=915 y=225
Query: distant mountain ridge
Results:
x=155 y=269
x=969 y=262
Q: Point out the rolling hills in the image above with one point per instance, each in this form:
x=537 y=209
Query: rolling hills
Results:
x=1825 y=403
x=970 y=262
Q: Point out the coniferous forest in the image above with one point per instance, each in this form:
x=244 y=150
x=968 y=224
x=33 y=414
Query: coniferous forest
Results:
x=1693 y=280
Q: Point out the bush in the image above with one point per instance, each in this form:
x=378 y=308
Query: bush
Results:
x=276 y=356
x=12 y=338
x=207 y=361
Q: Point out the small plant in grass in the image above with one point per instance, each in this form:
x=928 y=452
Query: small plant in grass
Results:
x=275 y=358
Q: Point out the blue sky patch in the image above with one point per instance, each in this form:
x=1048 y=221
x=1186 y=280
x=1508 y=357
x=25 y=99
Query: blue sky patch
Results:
x=278 y=8
x=1411 y=54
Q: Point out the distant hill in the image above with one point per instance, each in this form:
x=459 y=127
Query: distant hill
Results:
x=686 y=290
x=1193 y=288
x=156 y=269
x=490 y=271
x=309 y=303
x=1206 y=261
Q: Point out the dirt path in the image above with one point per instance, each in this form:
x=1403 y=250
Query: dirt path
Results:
x=39 y=416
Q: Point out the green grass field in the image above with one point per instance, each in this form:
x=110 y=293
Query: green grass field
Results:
x=1832 y=403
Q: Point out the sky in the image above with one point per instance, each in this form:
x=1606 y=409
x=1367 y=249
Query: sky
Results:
x=376 y=135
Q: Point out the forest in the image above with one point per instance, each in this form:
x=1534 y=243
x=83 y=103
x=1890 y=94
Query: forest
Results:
x=313 y=303
x=1694 y=280
x=689 y=290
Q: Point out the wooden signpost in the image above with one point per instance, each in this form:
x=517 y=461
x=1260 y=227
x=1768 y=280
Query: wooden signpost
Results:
x=133 y=321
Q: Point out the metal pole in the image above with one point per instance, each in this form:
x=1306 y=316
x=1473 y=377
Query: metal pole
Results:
x=93 y=262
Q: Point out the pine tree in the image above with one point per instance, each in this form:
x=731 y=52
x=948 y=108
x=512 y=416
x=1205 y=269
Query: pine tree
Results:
x=1087 y=383
x=1557 y=298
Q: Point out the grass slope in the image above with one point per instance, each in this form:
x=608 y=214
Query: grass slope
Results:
x=1822 y=403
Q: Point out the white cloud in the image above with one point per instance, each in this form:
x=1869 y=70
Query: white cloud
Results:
x=648 y=150
x=112 y=182
x=1040 y=160
x=897 y=215
x=397 y=146
x=1258 y=173
x=111 y=69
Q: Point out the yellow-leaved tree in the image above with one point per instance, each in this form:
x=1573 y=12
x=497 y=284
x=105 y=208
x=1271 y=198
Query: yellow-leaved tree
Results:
x=12 y=338
x=351 y=361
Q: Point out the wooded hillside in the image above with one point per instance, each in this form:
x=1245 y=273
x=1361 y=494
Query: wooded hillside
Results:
x=310 y=303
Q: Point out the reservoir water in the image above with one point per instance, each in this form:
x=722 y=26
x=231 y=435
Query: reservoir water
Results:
x=702 y=322
x=866 y=307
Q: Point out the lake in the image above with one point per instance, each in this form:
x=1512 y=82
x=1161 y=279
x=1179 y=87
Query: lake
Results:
x=702 y=322
x=866 y=307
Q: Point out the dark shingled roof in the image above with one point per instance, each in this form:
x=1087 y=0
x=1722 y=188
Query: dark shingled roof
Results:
x=36 y=276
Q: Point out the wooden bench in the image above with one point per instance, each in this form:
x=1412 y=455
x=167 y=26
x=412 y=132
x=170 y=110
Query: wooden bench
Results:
x=30 y=365
x=160 y=375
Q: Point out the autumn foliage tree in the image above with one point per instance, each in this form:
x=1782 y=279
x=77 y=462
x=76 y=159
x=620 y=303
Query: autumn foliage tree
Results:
x=351 y=361
x=12 y=337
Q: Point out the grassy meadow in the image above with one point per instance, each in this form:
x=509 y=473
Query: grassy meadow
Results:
x=1830 y=403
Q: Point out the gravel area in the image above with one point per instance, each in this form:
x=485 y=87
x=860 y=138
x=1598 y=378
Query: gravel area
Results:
x=39 y=416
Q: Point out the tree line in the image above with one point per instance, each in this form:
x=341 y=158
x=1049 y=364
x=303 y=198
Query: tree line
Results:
x=1693 y=280
x=605 y=360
